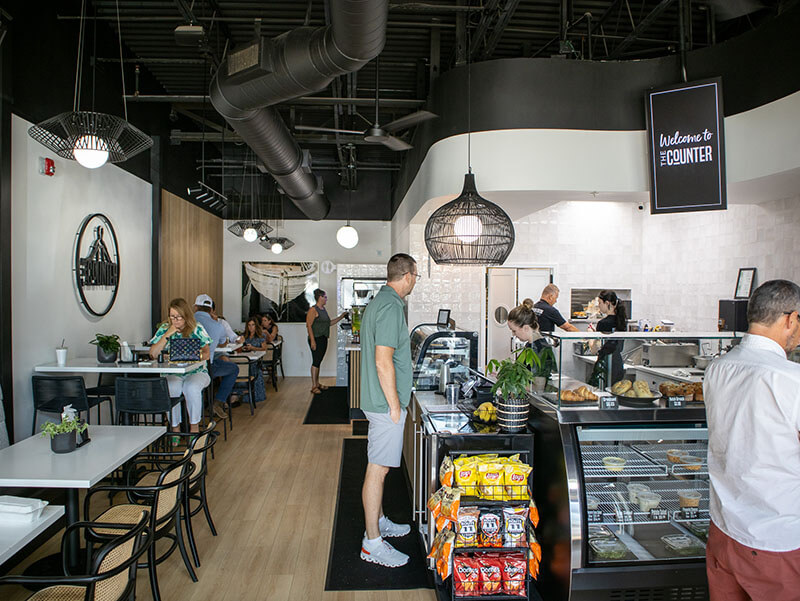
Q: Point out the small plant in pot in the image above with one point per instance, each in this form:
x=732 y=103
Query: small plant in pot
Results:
x=63 y=434
x=107 y=347
x=514 y=375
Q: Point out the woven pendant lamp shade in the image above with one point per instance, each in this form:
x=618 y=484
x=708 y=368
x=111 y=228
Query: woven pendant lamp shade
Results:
x=469 y=230
x=87 y=130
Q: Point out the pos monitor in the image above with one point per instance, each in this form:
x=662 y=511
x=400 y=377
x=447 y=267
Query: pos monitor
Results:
x=443 y=319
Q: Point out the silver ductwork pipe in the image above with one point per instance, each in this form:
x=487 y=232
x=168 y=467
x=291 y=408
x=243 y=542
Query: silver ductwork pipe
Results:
x=297 y=63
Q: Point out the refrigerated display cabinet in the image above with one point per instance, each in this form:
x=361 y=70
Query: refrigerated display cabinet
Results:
x=622 y=487
x=433 y=345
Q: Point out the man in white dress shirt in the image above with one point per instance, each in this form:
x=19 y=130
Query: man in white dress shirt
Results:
x=752 y=397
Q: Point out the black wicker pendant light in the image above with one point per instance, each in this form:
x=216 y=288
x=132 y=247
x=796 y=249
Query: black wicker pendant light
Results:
x=469 y=230
x=91 y=138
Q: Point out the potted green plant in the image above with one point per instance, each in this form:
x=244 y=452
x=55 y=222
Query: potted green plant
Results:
x=513 y=376
x=107 y=347
x=544 y=369
x=62 y=434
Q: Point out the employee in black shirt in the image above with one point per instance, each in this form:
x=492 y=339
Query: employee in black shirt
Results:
x=548 y=316
x=615 y=320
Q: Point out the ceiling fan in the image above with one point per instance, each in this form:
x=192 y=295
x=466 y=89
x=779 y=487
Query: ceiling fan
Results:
x=378 y=134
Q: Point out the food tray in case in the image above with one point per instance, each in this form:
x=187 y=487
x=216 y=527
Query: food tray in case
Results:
x=636 y=465
x=661 y=454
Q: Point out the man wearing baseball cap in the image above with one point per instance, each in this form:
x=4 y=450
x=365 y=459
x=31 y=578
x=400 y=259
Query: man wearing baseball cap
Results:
x=220 y=367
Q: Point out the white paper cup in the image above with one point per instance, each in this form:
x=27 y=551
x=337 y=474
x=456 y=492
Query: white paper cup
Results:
x=61 y=356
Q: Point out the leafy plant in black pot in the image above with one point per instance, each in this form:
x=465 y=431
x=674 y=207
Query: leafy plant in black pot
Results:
x=513 y=376
x=63 y=434
x=107 y=347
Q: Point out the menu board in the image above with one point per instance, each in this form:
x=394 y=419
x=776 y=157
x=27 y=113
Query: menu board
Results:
x=685 y=130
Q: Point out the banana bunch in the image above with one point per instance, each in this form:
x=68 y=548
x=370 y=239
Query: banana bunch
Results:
x=486 y=412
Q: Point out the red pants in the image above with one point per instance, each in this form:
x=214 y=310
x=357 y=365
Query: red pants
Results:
x=739 y=573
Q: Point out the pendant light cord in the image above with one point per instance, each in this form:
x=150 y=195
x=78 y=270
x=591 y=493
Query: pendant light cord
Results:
x=121 y=65
x=469 y=90
x=76 y=99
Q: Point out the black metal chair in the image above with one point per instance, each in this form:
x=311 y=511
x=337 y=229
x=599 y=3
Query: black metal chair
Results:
x=269 y=366
x=164 y=500
x=244 y=382
x=52 y=393
x=112 y=569
x=139 y=397
x=278 y=355
x=195 y=490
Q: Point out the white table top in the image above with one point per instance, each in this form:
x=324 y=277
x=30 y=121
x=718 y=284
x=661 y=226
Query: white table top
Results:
x=90 y=365
x=252 y=355
x=32 y=463
x=13 y=537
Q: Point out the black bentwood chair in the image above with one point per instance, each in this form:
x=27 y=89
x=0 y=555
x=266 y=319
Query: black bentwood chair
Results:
x=137 y=398
x=112 y=568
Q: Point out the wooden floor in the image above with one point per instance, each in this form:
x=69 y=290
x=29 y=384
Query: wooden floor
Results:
x=272 y=490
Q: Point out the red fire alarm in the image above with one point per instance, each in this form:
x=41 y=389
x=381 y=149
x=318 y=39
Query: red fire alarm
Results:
x=47 y=166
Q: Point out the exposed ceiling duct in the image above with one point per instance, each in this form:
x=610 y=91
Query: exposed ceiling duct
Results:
x=297 y=63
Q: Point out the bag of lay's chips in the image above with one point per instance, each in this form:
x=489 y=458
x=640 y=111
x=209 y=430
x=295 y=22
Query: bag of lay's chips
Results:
x=466 y=475
x=446 y=471
x=510 y=459
x=490 y=481
x=516 y=480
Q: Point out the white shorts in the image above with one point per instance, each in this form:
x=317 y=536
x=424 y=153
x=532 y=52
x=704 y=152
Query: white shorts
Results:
x=385 y=438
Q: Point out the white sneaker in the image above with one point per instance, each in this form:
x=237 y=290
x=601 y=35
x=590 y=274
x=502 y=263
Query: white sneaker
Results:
x=391 y=530
x=383 y=554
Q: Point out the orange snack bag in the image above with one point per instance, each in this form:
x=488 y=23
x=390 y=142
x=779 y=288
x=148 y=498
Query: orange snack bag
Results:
x=516 y=480
x=533 y=513
x=443 y=561
x=446 y=471
x=435 y=503
x=451 y=501
x=533 y=544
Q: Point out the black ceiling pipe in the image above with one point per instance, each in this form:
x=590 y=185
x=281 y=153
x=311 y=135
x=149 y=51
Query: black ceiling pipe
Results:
x=296 y=63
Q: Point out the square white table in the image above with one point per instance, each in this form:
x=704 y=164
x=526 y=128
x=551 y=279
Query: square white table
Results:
x=31 y=463
x=14 y=537
x=82 y=365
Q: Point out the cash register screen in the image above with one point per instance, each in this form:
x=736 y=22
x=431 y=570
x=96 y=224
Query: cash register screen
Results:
x=443 y=319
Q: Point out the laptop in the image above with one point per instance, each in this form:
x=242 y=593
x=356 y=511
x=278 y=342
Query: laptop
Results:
x=184 y=349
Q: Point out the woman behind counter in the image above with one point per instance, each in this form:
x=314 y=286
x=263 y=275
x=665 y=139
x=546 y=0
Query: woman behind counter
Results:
x=318 y=324
x=615 y=320
x=181 y=324
x=524 y=325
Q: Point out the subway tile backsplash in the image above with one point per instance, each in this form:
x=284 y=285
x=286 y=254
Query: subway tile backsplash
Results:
x=677 y=266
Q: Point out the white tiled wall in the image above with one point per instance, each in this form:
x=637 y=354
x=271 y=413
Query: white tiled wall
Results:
x=677 y=266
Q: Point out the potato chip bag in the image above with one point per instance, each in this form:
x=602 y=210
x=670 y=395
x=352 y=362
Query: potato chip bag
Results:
x=446 y=471
x=445 y=554
x=466 y=576
x=516 y=480
x=442 y=523
x=533 y=544
x=533 y=513
x=435 y=503
x=490 y=481
x=514 y=527
x=490 y=528
x=467 y=527
x=509 y=459
x=514 y=570
x=451 y=500
x=491 y=569
x=466 y=475
x=436 y=544
x=533 y=565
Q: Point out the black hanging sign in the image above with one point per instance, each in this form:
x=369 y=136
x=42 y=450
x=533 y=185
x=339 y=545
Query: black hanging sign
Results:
x=96 y=264
x=685 y=127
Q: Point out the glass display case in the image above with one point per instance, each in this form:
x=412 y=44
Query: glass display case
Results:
x=624 y=489
x=434 y=347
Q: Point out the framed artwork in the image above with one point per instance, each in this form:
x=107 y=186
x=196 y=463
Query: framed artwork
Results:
x=744 y=283
x=283 y=290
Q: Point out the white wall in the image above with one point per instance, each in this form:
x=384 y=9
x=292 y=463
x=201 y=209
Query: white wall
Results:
x=46 y=213
x=677 y=266
x=314 y=241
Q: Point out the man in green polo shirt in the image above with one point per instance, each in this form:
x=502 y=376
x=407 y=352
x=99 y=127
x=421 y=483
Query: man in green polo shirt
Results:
x=386 y=375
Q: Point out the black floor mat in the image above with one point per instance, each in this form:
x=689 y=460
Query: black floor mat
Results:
x=329 y=407
x=360 y=427
x=346 y=570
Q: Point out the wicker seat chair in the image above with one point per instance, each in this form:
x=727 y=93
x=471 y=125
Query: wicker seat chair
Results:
x=112 y=568
x=165 y=500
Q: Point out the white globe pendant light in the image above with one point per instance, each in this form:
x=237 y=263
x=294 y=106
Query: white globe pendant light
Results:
x=347 y=236
x=277 y=248
x=250 y=234
x=468 y=228
x=90 y=151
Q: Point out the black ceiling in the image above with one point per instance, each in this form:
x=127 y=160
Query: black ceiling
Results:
x=423 y=40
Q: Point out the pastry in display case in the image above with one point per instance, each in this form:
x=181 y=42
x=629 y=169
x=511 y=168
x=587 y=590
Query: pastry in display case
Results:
x=436 y=350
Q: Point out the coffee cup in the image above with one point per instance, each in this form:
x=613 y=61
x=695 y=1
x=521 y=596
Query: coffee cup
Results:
x=61 y=356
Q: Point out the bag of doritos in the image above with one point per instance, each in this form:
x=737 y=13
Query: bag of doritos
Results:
x=491 y=567
x=466 y=576
x=514 y=574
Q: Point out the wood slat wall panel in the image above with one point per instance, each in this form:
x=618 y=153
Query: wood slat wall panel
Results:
x=191 y=252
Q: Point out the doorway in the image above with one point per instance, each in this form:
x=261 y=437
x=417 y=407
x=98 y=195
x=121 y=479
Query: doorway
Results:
x=507 y=287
